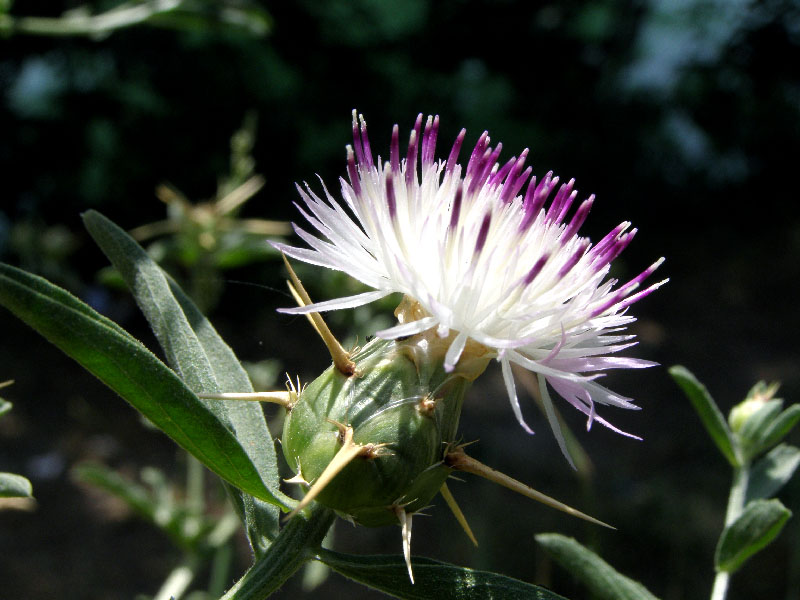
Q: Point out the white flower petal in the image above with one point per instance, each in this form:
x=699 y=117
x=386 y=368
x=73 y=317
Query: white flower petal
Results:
x=337 y=304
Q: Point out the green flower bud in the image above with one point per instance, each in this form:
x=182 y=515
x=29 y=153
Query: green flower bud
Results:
x=758 y=396
x=401 y=410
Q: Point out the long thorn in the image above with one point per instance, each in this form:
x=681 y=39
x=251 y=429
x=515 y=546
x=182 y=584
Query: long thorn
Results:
x=346 y=453
x=6 y=383
x=405 y=523
x=285 y=399
x=458 y=460
x=454 y=508
x=340 y=356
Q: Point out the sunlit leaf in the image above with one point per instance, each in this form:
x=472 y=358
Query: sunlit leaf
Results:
x=781 y=426
x=195 y=350
x=772 y=472
x=127 y=367
x=758 y=525
x=708 y=412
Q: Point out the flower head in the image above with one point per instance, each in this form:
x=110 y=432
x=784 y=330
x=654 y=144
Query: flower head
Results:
x=486 y=258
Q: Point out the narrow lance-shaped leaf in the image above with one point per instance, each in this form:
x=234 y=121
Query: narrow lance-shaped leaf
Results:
x=709 y=413
x=248 y=423
x=127 y=367
x=772 y=472
x=432 y=579
x=757 y=526
x=602 y=580
x=200 y=356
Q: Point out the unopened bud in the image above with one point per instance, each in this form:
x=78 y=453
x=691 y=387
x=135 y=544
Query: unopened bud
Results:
x=759 y=395
x=399 y=413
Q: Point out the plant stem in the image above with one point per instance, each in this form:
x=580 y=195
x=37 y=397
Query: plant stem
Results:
x=736 y=499
x=179 y=580
x=82 y=23
x=296 y=543
x=195 y=486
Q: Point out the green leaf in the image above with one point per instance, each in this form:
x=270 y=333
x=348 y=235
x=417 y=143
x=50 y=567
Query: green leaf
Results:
x=14 y=486
x=127 y=367
x=596 y=574
x=781 y=426
x=5 y=406
x=757 y=526
x=708 y=412
x=248 y=423
x=203 y=360
x=772 y=472
x=432 y=579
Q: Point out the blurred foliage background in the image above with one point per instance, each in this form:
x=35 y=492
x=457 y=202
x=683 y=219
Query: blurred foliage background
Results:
x=681 y=116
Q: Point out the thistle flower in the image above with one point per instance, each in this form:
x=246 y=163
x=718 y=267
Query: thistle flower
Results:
x=482 y=261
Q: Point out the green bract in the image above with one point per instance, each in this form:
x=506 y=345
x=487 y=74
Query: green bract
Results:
x=403 y=408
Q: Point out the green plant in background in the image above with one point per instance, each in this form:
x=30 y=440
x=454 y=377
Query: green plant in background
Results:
x=11 y=484
x=197 y=242
x=204 y=539
x=750 y=441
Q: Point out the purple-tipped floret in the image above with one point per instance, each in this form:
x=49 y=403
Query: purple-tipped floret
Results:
x=537 y=195
x=484 y=231
x=411 y=157
x=452 y=159
x=394 y=150
x=501 y=173
x=478 y=165
x=578 y=218
x=429 y=140
x=357 y=143
x=513 y=184
x=365 y=142
x=536 y=268
x=455 y=211
x=352 y=171
x=573 y=259
x=476 y=158
x=610 y=238
x=561 y=203
x=391 y=201
x=618 y=298
x=616 y=248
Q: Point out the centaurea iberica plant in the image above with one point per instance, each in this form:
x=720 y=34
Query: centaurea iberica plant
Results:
x=487 y=272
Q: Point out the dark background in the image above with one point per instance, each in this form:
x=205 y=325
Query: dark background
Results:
x=683 y=118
